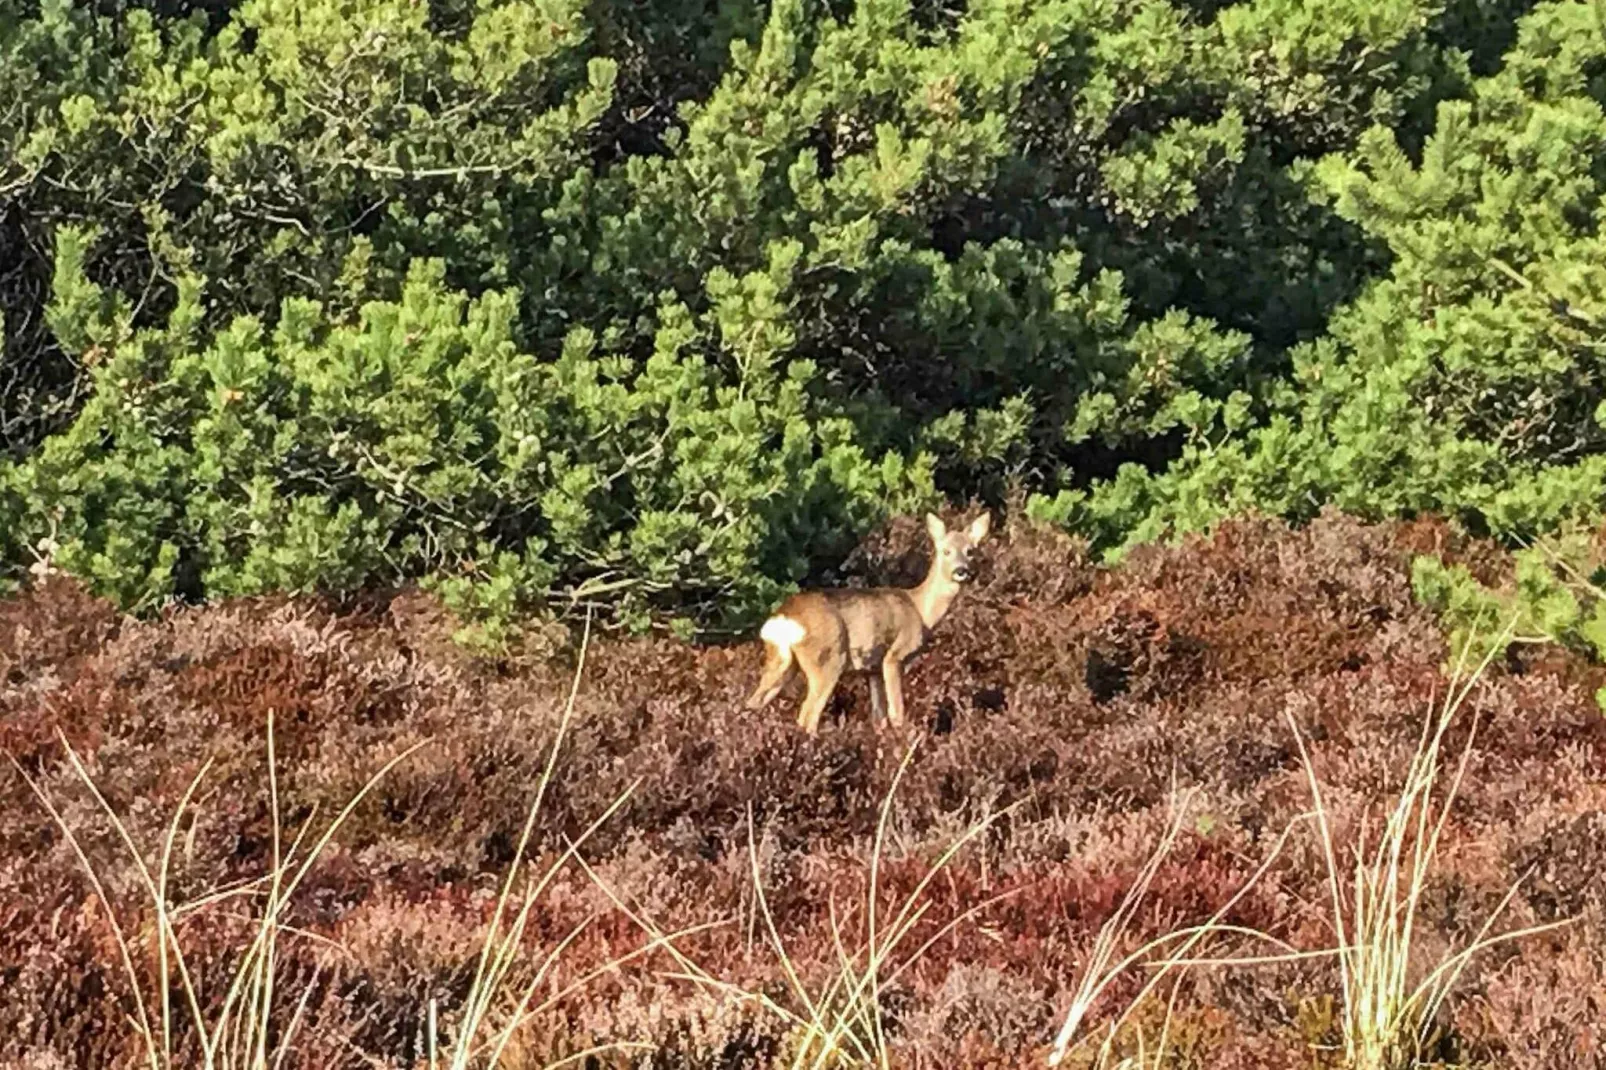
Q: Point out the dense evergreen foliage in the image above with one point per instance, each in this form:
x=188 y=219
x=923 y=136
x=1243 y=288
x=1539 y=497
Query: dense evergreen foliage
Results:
x=658 y=307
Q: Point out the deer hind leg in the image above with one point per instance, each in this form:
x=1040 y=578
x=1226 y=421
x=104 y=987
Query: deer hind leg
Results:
x=778 y=669
x=822 y=672
x=780 y=635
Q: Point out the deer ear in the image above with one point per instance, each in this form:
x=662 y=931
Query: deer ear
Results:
x=980 y=527
x=935 y=526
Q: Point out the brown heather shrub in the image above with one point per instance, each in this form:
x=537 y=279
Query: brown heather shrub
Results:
x=1543 y=1006
x=1081 y=697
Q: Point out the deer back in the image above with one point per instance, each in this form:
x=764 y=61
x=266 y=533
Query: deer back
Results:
x=858 y=624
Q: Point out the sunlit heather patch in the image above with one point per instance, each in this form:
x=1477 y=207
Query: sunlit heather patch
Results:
x=1205 y=646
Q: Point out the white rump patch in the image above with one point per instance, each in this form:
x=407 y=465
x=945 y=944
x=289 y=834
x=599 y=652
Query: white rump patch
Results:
x=783 y=632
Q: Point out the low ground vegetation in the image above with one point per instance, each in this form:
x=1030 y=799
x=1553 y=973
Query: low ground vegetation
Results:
x=1066 y=709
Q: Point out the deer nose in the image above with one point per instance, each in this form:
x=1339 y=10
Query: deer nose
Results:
x=962 y=572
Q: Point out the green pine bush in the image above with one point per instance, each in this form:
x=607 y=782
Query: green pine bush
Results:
x=655 y=309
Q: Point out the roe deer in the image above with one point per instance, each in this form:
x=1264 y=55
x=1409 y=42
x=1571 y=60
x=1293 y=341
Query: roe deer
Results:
x=824 y=633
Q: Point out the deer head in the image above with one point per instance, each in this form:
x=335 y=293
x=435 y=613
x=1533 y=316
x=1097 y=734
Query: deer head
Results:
x=952 y=550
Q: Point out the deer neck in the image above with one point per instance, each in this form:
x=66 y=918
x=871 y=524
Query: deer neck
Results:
x=934 y=596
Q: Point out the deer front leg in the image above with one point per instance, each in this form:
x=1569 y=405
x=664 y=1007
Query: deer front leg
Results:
x=878 y=697
x=892 y=677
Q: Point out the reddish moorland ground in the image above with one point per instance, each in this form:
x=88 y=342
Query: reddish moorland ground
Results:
x=1081 y=697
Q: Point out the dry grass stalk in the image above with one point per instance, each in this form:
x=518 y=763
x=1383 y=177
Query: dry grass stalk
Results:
x=1386 y=1014
x=239 y=1033
x=842 y=1022
x=1104 y=968
x=494 y=1014
x=247 y=1030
